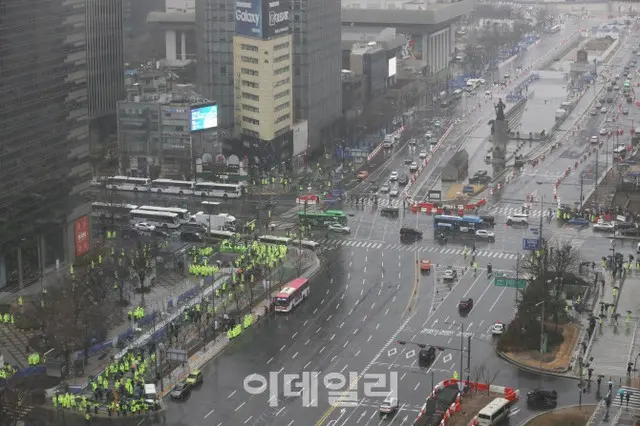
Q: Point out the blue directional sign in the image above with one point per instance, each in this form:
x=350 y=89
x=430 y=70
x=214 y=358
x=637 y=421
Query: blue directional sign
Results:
x=530 y=244
x=534 y=231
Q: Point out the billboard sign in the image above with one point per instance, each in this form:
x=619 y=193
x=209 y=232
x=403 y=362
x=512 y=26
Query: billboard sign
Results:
x=277 y=18
x=204 y=117
x=81 y=235
x=249 y=18
x=263 y=19
x=392 y=68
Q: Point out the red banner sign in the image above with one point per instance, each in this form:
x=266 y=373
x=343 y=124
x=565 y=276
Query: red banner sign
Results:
x=82 y=236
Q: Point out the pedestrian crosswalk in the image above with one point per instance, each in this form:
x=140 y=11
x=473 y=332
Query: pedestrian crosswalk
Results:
x=365 y=244
x=505 y=211
x=634 y=397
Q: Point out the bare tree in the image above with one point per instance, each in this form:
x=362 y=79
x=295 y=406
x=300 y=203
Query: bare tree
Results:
x=488 y=377
x=143 y=262
x=477 y=374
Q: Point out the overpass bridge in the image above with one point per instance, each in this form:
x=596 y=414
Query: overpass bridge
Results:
x=429 y=25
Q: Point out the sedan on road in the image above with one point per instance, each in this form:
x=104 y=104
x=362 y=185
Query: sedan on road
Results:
x=450 y=274
x=465 y=305
x=423 y=155
x=389 y=406
x=483 y=234
x=579 y=221
x=144 y=227
x=498 y=329
x=336 y=227
x=426 y=356
x=408 y=160
x=181 y=391
x=385 y=188
x=394 y=192
x=603 y=132
x=394 y=175
x=413 y=167
x=604 y=227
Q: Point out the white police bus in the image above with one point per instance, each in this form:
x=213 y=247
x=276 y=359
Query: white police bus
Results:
x=124 y=183
x=164 y=220
x=170 y=186
x=183 y=214
x=218 y=190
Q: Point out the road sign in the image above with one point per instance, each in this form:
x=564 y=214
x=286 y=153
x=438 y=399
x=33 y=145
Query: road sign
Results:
x=510 y=282
x=534 y=231
x=530 y=244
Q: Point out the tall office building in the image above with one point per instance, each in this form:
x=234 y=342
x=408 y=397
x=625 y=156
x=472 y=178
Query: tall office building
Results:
x=105 y=67
x=44 y=146
x=215 y=26
x=263 y=80
x=317 y=59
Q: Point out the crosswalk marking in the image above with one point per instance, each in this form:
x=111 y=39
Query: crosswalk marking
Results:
x=507 y=211
x=634 y=399
x=421 y=249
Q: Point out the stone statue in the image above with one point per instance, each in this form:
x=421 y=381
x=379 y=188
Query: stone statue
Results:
x=500 y=110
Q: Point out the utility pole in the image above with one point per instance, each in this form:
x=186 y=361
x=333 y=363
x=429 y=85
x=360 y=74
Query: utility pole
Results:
x=541 y=335
x=595 y=184
x=517 y=278
x=461 y=348
x=541 y=223
x=581 y=384
x=581 y=189
x=468 y=358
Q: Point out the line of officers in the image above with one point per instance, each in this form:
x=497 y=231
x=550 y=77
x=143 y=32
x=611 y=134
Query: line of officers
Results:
x=236 y=330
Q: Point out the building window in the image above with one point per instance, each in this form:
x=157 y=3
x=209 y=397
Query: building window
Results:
x=281 y=82
x=282 y=131
x=282 y=118
x=250 y=96
x=249 y=59
x=281 y=58
x=249 y=47
x=281 y=94
x=249 y=71
x=282 y=106
x=247 y=83
x=250 y=133
x=281 y=46
x=250 y=108
x=250 y=120
x=282 y=70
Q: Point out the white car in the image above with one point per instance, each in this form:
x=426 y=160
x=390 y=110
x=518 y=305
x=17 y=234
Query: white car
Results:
x=603 y=110
x=428 y=135
x=394 y=192
x=604 y=227
x=520 y=218
x=437 y=123
x=413 y=167
x=482 y=81
x=423 y=155
x=497 y=329
x=485 y=235
x=389 y=405
x=450 y=274
x=336 y=227
x=603 y=132
x=144 y=227
x=393 y=175
x=385 y=189
x=594 y=139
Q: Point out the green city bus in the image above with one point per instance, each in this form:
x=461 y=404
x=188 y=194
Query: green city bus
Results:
x=320 y=218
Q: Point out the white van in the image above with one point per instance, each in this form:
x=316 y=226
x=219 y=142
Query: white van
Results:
x=151 y=396
x=520 y=218
x=495 y=412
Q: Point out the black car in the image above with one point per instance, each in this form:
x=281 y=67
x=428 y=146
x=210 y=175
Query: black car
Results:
x=624 y=225
x=426 y=356
x=488 y=219
x=408 y=160
x=374 y=188
x=631 y=232
x=410 y=234
x=390 y=212
x=540 y=399
x=181 y=391
x=465 y=304
x=191 y=237
x=403 y=180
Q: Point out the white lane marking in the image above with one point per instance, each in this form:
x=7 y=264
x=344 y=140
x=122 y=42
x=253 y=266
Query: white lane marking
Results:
x=321 y=350
x=357 y=353
x=282 y=348
x=294 y=355
x=239 y=406
x=307 y=342
x=497 y=300
x=269 y=361
x=294 y=335
x=333 y=336
x=231 y=394
x=250 y=417
x=306 y=365
x=209 y=413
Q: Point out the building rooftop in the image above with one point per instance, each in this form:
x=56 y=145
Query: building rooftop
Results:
x=171 y=17
x=402 y=12
x=387 y=37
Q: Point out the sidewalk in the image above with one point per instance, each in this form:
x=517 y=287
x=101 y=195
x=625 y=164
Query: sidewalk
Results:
x=200 y=358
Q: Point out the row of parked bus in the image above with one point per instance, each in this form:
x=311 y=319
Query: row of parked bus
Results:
x=174 y=187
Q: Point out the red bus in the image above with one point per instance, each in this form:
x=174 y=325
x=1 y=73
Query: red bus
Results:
x=292 y=294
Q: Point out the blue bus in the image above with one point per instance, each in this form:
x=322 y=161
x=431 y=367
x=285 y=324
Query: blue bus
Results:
x=458 y=223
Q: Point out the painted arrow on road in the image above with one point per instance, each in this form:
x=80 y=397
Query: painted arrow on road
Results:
x=334 y=422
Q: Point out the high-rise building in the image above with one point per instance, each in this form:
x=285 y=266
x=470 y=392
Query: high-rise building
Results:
x=105 y=67
x=263 y=80
x=215 y=26
x=44 y=148
x=317 y=58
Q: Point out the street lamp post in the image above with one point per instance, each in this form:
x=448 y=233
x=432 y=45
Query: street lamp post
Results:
x=541 y=303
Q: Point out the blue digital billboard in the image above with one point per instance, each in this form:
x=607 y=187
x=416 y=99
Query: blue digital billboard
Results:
x=249 y=18
x=204 y=117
